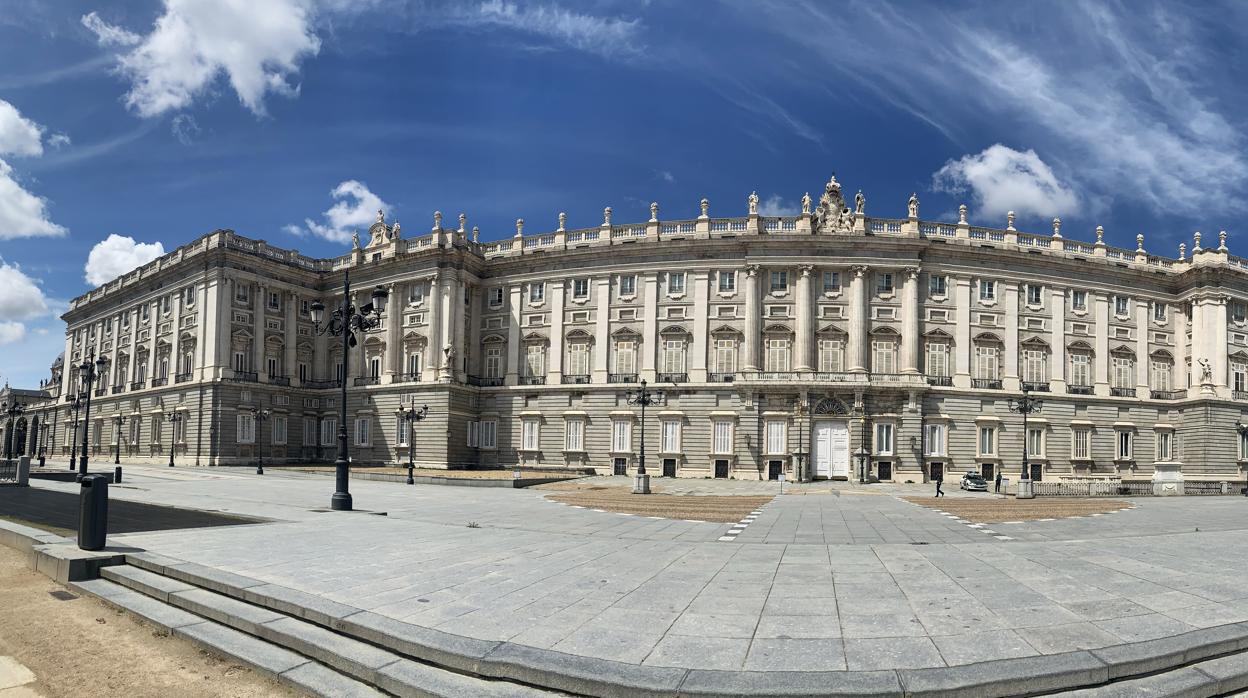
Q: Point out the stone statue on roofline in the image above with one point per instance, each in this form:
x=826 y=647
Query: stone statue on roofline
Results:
x=806 y=203
x=754 y=203
x=833 y=215
x=355 y=240
x=913 y=205
x=860 y=203
x=1206 y=371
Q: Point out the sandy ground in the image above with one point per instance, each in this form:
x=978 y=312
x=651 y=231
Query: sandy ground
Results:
x=437 y=472
x=82 y=648
x=998 y=510
x=719 y=509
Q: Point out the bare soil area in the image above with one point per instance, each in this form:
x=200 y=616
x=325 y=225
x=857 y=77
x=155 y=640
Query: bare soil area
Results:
x=718 y=509
x=999 y=510
x=81 y=647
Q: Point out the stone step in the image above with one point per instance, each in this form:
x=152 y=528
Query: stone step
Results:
x=1212 y=677
x=359 y=660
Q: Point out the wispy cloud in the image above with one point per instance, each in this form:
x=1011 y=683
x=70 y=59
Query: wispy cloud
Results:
x=775 y=205
x=107 y=34
x=608 y=36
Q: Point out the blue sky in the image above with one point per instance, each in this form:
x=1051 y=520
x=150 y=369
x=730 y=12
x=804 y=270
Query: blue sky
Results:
x=128 y=128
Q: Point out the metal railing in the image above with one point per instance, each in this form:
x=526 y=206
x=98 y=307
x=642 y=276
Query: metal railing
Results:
x=621 y=377
x=1239 y=394
x=944 y=381
x=532 y=380
x=1167 y=394
x=673 y=378
x=245 y=376
x=1036 y=387
x=1208 y=488
x=138 y=385
x=575 y=379
x=367 y=380
x=1079 y=390
x=278 y=380
x=407 y=378
x=118 y=389
x=319 y=384
x=101 y=392
x=723 y=377
x=158 y=382
x=8 y=470
x=1122 y=392
x=184 y=377
x=485 y=381
x=986 y=383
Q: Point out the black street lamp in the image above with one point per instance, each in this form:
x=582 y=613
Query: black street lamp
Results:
x=345 y=322
x=73 y=441
x=174 y=418
x=119 y=420
x=1025 y=405
x=261 y=416
x=411 y=415
x=88 y=372
x=13 y=410
x=646 y=398
x=1242 y=430
x=801 y=412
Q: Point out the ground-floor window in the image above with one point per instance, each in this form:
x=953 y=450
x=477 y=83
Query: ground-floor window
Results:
x=329 y=431
x=620 y=466
x=363 y=431
x=279 y=431
x=246 y=429
x=1165 y=446
x=1124 y=445
x=721 y=468
x=884 y=470
x=529 y=435
x=669 y=467
x=489 y=433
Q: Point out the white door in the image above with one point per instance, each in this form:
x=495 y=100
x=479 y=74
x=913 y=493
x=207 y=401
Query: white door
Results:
x=822 y=441
x=840 y=449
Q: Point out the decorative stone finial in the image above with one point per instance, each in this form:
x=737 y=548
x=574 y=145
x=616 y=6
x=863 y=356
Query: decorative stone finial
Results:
x=606 y=216
x=476 y=234
x=1196 y=242
x=654 y=211
x=962 y=214
x=706 y=206
x=753 y=203
x=1057 y=227
x=1009 y=220
x=437 y=220
x=913 y=205
x=563 y=221
x=463 y=222
x=806 y=204
x=1182 y=251
x=1222 y=241
x=1100 y=235
x=1139 y=242
x=519 y=227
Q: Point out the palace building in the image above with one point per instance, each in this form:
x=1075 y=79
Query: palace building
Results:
x=855 y=345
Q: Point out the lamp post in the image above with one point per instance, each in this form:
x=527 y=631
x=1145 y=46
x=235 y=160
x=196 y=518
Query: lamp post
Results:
x=1025 y=405
x=800 y=412
x=645 y=398
x=864 y=451
x=411 y=415
x=118 y=421
x=88 y=372
x=13 y=410
x=174 y=418
x=73 y=441
x=1242 y=429
x=261 y=416
x=345 y=322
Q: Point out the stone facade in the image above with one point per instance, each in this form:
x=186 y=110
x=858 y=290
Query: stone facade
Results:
x=891 y=346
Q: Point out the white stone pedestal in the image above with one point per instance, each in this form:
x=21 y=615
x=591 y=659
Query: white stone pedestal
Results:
x=1167 y=479
x=1025 y=491
x=641 y=484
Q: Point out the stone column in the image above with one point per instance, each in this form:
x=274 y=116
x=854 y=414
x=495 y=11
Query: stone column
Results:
x=1057 y=341
x=1215 y=316
x=476 y=363
x=153 y=364
x=554 y=357
x=134 y=345
x=175 y=343
x=805 y=319
x=910 y=322
x=204 y=335
x=68 y=363
x=1142 y=361
x=1178 y=330
x=458 y=301
x=858 y=320
x=698 y=348
x=433 y=331
x=602 y=329
x=1011 y=382
x=649 y=327
x=225 y=328
x=513 y=336
x=962 y=333
x=1101 y=370
x=112 y=359
x=290 y=360
x=394 y=331
x=259 y=303
x=753 y=316
x=447 y=302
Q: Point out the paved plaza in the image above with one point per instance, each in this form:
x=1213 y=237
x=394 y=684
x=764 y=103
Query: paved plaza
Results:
x=829 y=577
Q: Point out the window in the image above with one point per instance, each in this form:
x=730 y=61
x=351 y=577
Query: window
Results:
x=1165 y=446
x=489 y=433
x=279 y=430
x=414 y=363
x=136 y=428
x=934 y=443
x=725 y=355
x=1079 y=300
x=493 y=360
x=338 y=372
x=727 y=281
x=625 y=356
x=1122 y=305
x=275 y=301
x=580 y=288
x=272 y=364
x=937 y=285
x=305 y=307
x=987 y=441
x=1124 y=372
x=1080 y=370
x=537 y=292
x=309 y=431
x=401 y=429
x=1034 y=366
x=574 y=435
x=779 y=281
x=1243 y=445
x=884 y=439
x=676 y=282
x=1035 y=443
x=125 y=320
x=535 y=360
x=1239 y=376
x=628 y=285
x=246 y=429
x=166 y=304
x=1124 y=445
x=242 y=293
x=473 y=434
x=884 y=356
x=154 y=423
x=1081 y=444
x=303 y=372
x=721 y=437
x=1161 y=378
x=830 y=356
x=674 y=356
x=530 y=433
x=363 y=431
x=416 y=294
x=831 y=282
x=671 y=436
x=987 y=290
x=578 y=358
x=1033 y=295
x=1237 y=311
x=1159 y=311
x=938 y=359
x=621 y=436
x=495 y=296
x=776 y=432
x=884 y=283
x=987 y=362
x=240 y=361
x=329 y=431
x=374 y=367
x=777 y=355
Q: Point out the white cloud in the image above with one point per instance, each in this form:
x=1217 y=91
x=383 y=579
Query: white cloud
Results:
x=117 y=255
x=18 y=135
x=291 y=229
x=59 y=140
x=11 y=332
x=356 y=209
x=23 y=214
x=108 y=34
x=185 y=128
x=666 y=176
x=774 y=205
x=20 y=296
x=607 y=36
x=1001 y=179
x=256 y=46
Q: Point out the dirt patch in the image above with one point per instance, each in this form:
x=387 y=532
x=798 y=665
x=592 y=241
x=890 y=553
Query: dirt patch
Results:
x=450 y=474
x=718 y=509
x=81 y=647
x=998 y=510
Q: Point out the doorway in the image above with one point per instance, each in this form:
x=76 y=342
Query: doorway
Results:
x=884 y=470
x=988 y=470
x=774 y=468
x=938 y=470
x=669 y=467
x=721 y=468
x=830 y=443
x=620 y=466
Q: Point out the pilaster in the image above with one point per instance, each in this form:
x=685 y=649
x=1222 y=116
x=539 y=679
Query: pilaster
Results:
x=805 y=319
x=650 y=327
x=698 y=349
x=259 y=304
x=910 y=322
x=962 y=332
x=753 y=316
x=1057 y=341
x=1101 y=371
x=857 y=358
x=602 y=328
x=1011 y=381
x=512 y=377
x=1142 y=361
x=554 y=358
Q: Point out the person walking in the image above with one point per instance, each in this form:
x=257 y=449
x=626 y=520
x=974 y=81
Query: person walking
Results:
x=998 y=488
x=939 y=479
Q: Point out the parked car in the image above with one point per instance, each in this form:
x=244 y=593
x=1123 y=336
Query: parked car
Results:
x=974 y=482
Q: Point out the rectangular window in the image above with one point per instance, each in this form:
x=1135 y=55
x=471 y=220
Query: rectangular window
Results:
x=1035 y=443
x=721 y=437
x=529 y=435
x=1165 y=446
x=537 y=292
x=1033 y=295
x=671 y=436
x=1080 y=370
x=242 y=292
x=1239 y=377
x=626 y=356
x=938 y=285
x=493 y=361
x=303 y=373
x=580 y=288
x=309 y=431
x=676 y=282
x=628 y=285
x=776 y=437
x=1079 y=300
x=535 y=360
x=1243 y=445
x=495 y=296
x=363 y=431
x=987 y=290
x=1124 y=445
x=578 y=359
x=725 y=355
x=934 y=444
x=166 y=304
x=727 y=281
x=987 y=441
x=414 y=363
x=1238 y=311
x=830 y=356
x=938 y=359
x=1081 y=444
x=275 y=301
x=986 y=363
x=674 y=356
x=1122 y=305
x=246 y=429
x=884 y=283
x=279 y=431
x=1034 y=368
x=1161 y=375
x=329 y=431
x=155 y=429
x=831 y=282
x=489 y=433
x=272 y=366
x=1124 y=372
x=884 y=439
x=1159 y=311
x=401 y=430
x=779 y=281
x=473 y=434
x=621 y=436
x=574 y=435
x=885 y=356
x=777 y=355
